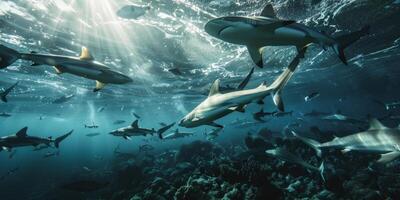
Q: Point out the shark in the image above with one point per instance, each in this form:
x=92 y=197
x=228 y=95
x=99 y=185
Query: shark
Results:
x=285 y=155
x=176 y=135
x=4 y=93
x=257 y=32
x=218 y=105
x=83 y=66
x=261 y=114
x=135 y=130
x=21 y=139
x=378 y=138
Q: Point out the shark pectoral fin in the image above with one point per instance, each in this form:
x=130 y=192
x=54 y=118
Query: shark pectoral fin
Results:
x=58 y=69
x=126 y=137
x=278 y=101
x=99 y=86
x=388 y=157
x=256 y=55
x=346 y=150
x=215 y=125
x=85 y=54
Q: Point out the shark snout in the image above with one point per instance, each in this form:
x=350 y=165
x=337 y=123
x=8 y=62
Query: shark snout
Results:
x=215 y=26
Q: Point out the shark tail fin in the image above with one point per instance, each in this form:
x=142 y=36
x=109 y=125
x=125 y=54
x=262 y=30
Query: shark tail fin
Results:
x=344 y=41
x=61 y=138
x=310 y=142
x=7 y=56
x=4 y=98
x=283 y=79
x=163 y=129
x=321 y=170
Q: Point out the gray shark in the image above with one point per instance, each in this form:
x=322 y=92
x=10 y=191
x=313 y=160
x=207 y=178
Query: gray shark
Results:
x=21 y=139
x=63 y=99
x=134 y=130
x=261 y=114
x=377 y=138
x=218 y=105
x=257 y=32
x=3 y=114
x=4 y=93
x=285 y=155
x=84 y=65
x=176 y=135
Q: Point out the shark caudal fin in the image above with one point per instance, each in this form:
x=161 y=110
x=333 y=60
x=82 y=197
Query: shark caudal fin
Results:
x=344 y=41
x=310 y=142
x=7 y=56
x=61 y=138
x=163 y=129
x=283 y=79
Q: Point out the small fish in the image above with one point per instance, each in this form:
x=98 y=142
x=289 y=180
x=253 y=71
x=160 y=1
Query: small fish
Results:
x=311 y=96
x=116 y=122
x=162 y=124
x=86 y=169
x=101 y=109
x=92 y=134
x=261 y=114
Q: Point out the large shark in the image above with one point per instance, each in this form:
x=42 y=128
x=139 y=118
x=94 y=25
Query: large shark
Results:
x=4 y=93
x=134 y=130
x=21 y=139
x=285 y=155
x=378 y=138
x=176 y=135
x=218 y=105
x=84 y=65
x=267 y=29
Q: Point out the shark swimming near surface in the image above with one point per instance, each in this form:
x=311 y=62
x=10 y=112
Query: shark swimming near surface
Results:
x=378 y=138
x=83 y=66
x=256 y=32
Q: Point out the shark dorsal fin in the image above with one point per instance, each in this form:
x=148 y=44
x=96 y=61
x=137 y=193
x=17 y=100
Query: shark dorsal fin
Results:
x=135 y=124
x=22 y=132
x=85 y=54
x=375 y=124
x=214 y=88
x=268 y=11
